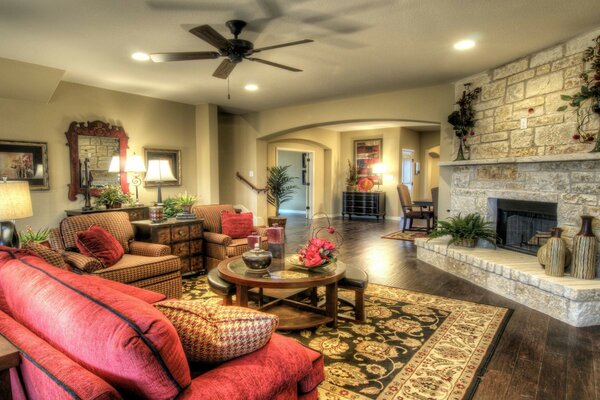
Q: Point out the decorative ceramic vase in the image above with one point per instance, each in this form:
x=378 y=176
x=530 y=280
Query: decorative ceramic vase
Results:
x=157 y=214
x=584 y=251
x=257 y=258
x=553 y=255
x=466 y=242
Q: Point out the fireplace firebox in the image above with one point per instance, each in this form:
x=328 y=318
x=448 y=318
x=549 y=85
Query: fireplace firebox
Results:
x=524 y=226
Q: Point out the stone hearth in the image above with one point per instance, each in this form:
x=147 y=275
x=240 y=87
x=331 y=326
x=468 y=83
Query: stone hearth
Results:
x=518 y=277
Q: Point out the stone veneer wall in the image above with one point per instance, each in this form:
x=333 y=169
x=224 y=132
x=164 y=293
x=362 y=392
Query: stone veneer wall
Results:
x=529 y=87
x=508 y=92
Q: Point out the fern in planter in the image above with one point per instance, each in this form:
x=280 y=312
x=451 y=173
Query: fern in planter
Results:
x=465 y=231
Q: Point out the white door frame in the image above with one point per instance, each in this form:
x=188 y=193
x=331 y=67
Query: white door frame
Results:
x=310 y=192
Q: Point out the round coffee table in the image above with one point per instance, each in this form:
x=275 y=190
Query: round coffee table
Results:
x=282 y=274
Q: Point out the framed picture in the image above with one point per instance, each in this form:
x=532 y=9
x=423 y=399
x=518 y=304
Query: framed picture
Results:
x=174 y=158
x=25 y=161
x=367 y=153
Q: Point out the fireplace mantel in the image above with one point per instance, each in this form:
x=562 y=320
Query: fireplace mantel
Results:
x=525 y=160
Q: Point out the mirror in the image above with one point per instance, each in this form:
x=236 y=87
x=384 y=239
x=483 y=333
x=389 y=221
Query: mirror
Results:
x=99 y=142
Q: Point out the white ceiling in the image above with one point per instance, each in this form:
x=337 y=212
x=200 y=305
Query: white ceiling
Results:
x=361 y=46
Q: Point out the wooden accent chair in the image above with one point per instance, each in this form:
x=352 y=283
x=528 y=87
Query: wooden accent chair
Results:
x=410 y=214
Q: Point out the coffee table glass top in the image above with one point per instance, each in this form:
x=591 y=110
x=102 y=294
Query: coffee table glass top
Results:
x=283 y=270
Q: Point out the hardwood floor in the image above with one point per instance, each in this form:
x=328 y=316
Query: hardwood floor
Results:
x=538 y=357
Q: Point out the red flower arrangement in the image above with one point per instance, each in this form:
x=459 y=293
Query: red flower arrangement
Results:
x=317 y=252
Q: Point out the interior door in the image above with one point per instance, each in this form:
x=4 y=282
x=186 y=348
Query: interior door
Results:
x=407 y=169
x=306 y=181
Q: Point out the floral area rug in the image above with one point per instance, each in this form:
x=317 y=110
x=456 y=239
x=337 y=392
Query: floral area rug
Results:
x=412 y=346
x=410 y=236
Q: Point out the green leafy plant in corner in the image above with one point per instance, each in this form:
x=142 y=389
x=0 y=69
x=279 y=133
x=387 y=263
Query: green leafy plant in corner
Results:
x=29 y=235
x=468 y=228
x=185 y=199
x=280 y=187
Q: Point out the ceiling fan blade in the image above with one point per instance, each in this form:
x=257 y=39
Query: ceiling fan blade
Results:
x=194 y=55
x=283 y=45
x=274 y=64
x=224 y=69
x=209 y=35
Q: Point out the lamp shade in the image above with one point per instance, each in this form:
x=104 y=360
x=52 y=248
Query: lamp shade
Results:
x=134 y=163
x=15 y=200
x=115 y=164
x=159 y=171
x=379 y=168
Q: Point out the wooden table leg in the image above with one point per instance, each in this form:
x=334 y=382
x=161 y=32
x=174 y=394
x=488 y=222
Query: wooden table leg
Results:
x=241 y=294
x=331 y=305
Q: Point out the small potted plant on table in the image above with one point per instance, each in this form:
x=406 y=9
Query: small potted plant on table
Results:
x=112 y=197
x=465 y=231
x=185 y=201
x=280 y=189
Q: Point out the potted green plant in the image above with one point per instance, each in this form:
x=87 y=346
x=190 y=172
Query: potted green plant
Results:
x=280 y=189
x=40 y=236
x=586 y=102
x=112 y=197
x=465 y=231
x=351 y=177
x=171 y=208
x=185 y=201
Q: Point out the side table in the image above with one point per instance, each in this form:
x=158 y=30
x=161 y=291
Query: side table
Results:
x=9 y=358
x=183 y=236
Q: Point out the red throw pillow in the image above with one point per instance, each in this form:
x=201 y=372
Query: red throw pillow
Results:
x=237 y=225
x=98 y=243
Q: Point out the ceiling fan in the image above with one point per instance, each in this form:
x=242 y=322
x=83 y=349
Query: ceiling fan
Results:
x=236 y=50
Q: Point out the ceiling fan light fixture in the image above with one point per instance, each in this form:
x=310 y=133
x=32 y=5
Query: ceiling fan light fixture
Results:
x=464 y=44
x=140 y=56
x=251 y=87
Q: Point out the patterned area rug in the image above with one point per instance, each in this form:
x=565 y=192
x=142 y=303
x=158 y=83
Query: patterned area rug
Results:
x=413 y=345
x=410 y=236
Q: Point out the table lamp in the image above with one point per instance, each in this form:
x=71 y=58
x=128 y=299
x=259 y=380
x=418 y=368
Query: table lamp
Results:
x=159 y=171
x=379 y=169
x=15 y=203
x=135 y=165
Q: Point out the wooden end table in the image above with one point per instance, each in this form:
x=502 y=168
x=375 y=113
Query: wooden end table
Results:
x=282 y=274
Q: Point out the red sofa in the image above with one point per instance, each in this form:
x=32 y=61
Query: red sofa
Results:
x=89 y=338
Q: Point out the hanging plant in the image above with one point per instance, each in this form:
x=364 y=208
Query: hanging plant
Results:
x=586 y=102
x=463 y=120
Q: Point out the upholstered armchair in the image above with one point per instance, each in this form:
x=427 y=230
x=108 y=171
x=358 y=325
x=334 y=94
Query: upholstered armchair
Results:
x=145 y=265
x=218 y=246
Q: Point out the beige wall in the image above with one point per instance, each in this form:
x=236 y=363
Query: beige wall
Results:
x=148 y=122
x=243 y=138
x=428 y=141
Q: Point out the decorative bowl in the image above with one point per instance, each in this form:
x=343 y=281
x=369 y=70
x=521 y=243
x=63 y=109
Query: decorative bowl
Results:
x=257 y=258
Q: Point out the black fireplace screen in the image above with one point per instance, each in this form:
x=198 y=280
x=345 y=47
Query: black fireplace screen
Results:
x=524 y=226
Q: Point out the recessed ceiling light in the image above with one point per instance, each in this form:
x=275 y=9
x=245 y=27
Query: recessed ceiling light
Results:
x=251 y=87
x=139 y=56
x=464 y=44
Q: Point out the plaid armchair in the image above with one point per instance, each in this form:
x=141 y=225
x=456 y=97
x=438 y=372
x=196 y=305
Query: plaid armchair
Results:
x=217 y=246
x=145 y=265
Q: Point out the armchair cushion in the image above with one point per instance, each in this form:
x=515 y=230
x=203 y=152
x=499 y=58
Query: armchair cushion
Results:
x=149 y=249
x=237 y=226
x=216 y=333
x=115 y=222
x=132 y=268
x=212 y=215
x=98 y=243
x=81 y=262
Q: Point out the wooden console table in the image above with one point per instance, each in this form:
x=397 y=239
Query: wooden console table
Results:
x=135 y=213
x=183 y=236
x=370 y=204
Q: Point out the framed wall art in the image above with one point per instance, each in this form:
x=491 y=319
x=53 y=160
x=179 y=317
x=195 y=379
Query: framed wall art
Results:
x=25 y=161
x=367 y=153
x=174 y=158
